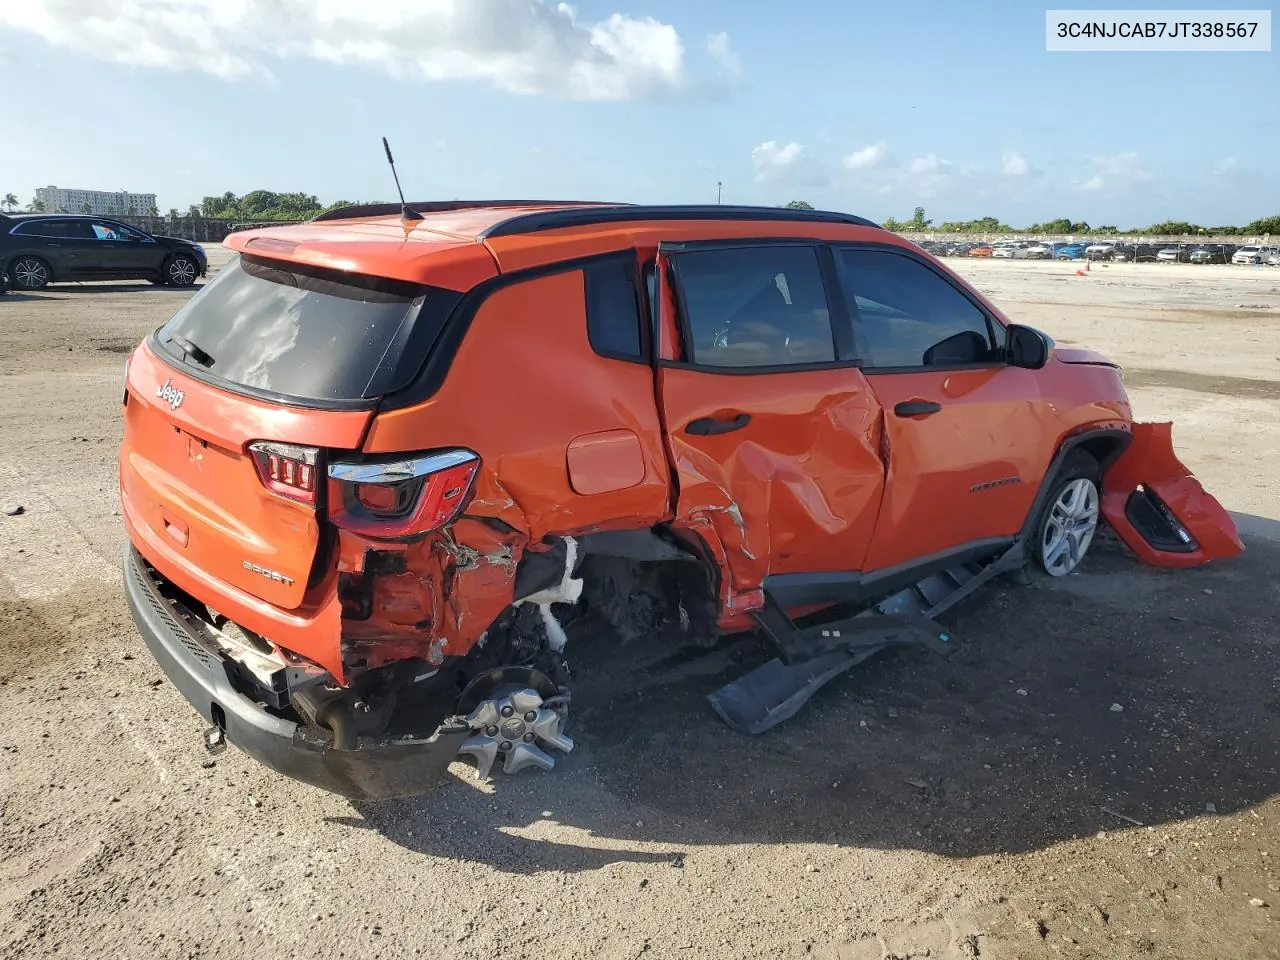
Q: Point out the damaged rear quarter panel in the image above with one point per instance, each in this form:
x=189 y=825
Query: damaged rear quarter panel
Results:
x=522 y=386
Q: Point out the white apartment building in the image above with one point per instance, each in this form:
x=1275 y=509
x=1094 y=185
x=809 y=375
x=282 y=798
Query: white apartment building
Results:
x=102 y=203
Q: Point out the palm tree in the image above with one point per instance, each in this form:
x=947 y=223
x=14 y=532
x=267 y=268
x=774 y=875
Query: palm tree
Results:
x=10 y=201
x=86 y=209
x=36 y=206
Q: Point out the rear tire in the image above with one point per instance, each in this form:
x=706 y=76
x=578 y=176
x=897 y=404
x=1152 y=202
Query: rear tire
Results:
x=1070 y=517
x=180 y=271
x=29 y=273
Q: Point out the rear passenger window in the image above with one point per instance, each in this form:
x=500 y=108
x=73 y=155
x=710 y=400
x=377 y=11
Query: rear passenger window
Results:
x=906 y=315
x=613 y=311
x=758 y=306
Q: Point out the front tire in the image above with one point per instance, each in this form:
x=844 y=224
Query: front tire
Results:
x=29 y=273
x=1070 y=517
x=180 y=271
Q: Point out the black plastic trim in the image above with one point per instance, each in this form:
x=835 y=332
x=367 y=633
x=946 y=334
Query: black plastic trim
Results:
x=445 y=206
x=586 y=216
x=1156 y=523
x=852 y=586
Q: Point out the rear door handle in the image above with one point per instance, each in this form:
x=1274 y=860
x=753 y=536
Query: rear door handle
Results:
x=707 y=426
x=916 y=408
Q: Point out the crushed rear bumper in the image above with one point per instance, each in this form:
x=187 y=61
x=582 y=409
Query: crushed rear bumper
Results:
x=377 y=769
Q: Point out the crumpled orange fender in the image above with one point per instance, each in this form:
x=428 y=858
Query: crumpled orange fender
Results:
x=1150 y=464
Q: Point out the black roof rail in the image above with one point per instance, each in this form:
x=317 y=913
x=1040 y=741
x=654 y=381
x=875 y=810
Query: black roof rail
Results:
x=627 y=213
x=443 y=206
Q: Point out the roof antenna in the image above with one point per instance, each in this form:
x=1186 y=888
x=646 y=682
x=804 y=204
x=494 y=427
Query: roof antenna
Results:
x=405 y=212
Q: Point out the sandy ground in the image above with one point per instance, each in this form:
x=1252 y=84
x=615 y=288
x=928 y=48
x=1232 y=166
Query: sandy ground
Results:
x=996 y=805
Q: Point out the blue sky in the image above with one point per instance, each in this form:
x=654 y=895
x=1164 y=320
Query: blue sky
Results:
x=868 y=107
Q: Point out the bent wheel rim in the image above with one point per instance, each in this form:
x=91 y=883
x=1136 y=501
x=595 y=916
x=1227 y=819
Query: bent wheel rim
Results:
x=1069 y=530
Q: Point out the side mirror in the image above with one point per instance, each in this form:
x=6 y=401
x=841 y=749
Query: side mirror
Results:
x=1027 y=347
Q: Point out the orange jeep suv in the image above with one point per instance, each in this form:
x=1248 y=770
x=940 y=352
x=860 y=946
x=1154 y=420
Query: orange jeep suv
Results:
x=369 y=468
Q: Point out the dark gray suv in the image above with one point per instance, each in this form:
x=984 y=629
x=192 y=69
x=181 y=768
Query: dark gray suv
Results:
x=37 y=249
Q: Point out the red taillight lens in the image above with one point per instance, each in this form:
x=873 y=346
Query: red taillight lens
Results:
x=402 y=499
x=287 y=469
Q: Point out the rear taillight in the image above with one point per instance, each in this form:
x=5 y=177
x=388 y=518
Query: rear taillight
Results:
x=401 y=499
x=287 y=469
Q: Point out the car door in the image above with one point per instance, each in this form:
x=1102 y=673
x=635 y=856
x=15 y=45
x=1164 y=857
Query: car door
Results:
x=121 y=251
x=772 y=430
x=966 y=433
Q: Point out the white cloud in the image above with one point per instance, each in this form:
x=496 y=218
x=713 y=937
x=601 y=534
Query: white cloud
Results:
x=788 y=164
x=769 y=159
x=930 y=164
x=519 y=46
x=1115 y=171
x=1226 y=165
x=1014 y=164
x=870 y=157
x=724 y=55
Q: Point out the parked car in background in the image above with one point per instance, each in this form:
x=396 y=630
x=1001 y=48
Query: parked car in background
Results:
x=1274 y=259
x=979 y=250
x=1252 y=253
x=1039 y=250
x=40 y=249
x=1174 y=253
x=1211 y=253
x=1140 y=253
x=1071 y=251
x=1100 y=251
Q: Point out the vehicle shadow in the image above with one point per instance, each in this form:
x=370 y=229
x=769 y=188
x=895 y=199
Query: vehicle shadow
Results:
x=1121 y=695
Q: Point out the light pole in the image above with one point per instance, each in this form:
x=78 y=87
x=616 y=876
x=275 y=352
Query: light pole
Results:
x=718 y=185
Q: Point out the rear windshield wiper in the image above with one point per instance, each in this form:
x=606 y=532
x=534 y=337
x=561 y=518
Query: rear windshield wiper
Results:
x=190 y=350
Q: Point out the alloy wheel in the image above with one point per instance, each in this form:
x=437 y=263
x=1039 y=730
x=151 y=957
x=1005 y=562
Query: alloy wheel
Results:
x=182 y=272
x=30 y=274
x=1069 y=528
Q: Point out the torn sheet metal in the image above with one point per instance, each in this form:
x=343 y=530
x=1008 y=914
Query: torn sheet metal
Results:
x=1159 y=509
x=798 y=488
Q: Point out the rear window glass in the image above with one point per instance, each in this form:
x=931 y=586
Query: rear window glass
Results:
x=297 y=331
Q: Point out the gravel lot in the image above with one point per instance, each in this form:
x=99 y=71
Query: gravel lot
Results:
x=997 y=805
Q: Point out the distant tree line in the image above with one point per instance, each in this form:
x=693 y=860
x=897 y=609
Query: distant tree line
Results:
x=268 y=205
x=263 y=205
x=918 y=223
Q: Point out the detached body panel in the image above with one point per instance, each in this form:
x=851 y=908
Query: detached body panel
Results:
x=1160 y=510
